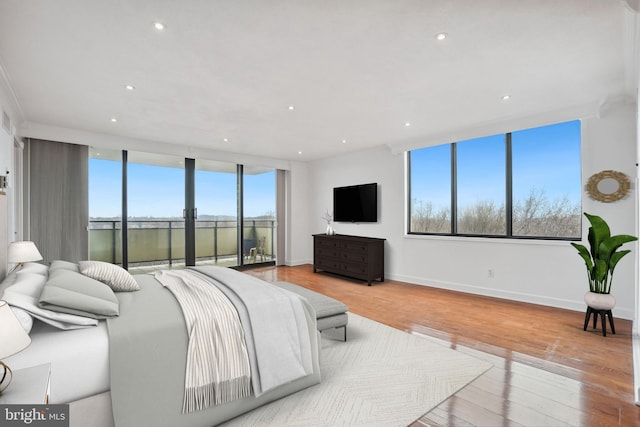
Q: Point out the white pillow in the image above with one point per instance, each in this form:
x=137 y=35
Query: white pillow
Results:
x=8 y=281
x=25 y=292
x=113 y=275
x=23 y=317
x=33 y=267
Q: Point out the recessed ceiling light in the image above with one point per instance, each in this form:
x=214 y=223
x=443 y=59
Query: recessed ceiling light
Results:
x=113 y=119
x=506 y=97
x=291 y=107
x=129 y=87
x=407 y=124
x=344 y=141
x=158 y=26
x=225 y=139
x=299 y=152
x=441 y=36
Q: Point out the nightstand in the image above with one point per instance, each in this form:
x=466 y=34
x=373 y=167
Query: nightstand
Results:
x=29 y=385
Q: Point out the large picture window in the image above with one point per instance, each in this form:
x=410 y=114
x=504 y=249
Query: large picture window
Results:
x=523 y=184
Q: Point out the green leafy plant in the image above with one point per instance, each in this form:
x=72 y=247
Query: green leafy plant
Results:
x=603 y=256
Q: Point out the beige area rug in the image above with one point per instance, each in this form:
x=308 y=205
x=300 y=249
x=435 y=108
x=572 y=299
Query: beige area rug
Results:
x=380 y=377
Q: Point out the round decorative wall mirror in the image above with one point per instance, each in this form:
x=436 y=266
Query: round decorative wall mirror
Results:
x=608 y=186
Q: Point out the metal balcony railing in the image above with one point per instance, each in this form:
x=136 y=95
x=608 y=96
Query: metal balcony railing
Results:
x=153 y=242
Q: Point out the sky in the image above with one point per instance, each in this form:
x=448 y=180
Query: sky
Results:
x=157 y=191
x=545 y=158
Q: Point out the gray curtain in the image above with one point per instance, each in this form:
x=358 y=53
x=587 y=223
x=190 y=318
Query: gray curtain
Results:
x=58 y=200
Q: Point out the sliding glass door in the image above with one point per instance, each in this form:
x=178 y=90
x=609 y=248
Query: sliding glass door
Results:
x=156 y=211
x=216 y=224
x=155 y=205
x=259 y=215
x=105 y=205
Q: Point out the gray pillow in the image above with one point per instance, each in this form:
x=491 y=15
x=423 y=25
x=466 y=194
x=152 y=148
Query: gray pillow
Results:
x=113 y=275
x=70 y=292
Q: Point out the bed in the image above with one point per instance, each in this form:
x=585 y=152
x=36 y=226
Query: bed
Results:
x=130 y=359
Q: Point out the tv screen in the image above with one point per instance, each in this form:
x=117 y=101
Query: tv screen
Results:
x=356 y=203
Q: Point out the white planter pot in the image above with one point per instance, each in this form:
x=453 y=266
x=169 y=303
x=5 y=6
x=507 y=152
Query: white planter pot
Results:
x=599 y=301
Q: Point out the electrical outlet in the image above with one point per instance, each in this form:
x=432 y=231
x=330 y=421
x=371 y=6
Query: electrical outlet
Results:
x=490 y=273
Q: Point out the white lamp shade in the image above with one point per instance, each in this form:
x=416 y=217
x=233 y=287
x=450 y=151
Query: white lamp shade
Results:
x=13 y=337
x=23 y=251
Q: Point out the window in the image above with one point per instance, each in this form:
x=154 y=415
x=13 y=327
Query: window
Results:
x=105 y=205
x=431 y=190
x=524 y=184
x=546 y=181
x=480 y=194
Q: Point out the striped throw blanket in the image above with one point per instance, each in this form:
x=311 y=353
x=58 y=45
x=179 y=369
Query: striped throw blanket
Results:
x=218 y=369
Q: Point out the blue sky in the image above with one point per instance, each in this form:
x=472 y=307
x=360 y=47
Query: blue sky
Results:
x=545 y=158
x=159 y=191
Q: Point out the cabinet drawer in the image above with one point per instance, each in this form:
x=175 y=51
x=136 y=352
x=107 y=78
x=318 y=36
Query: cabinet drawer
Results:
x=354 y=257
x=355 y=269
x=327 y=253
x=327 y=264
x=355 y=247
x=326 y=243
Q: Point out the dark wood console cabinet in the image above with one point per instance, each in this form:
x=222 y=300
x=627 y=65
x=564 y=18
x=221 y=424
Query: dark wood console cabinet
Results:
x=352 y=256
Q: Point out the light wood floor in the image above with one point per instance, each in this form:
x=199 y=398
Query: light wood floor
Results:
x=547 y=370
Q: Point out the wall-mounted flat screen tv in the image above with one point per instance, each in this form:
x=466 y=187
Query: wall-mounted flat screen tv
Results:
x=356 y=203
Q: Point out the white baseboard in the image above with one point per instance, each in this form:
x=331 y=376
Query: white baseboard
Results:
x=293 y=263
x=622 y=313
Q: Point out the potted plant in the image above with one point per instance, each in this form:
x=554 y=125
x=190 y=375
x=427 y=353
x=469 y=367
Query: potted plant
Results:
x=601 y=260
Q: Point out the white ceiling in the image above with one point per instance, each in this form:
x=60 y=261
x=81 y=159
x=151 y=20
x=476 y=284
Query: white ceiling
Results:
x=354 y=70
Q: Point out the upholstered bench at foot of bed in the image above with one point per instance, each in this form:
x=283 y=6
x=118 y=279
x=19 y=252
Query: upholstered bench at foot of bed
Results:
x=330 y=313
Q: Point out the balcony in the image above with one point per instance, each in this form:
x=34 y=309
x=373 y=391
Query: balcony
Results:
x=154 y=243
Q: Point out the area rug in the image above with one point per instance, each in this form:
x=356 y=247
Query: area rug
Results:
x=380 y=377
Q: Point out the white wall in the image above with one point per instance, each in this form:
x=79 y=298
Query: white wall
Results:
x=298 y=214
x=549 y=273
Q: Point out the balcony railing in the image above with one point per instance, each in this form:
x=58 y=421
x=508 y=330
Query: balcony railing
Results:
x=155 y=242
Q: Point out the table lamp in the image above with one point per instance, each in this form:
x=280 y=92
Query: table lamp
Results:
x=21 y=252
x=13 y=339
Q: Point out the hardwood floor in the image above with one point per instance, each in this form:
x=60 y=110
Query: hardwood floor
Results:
x=547 y=370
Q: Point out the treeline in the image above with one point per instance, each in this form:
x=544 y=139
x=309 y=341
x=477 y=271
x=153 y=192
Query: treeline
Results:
x=536 y=215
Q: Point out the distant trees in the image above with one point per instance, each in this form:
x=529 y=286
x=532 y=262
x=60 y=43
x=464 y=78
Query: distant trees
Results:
x=535 y=215
x=425 y=218
x=483 y=217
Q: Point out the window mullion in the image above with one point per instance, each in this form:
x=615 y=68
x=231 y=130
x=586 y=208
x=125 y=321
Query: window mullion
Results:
x=509 y=186
x=454 y=188
x=124 y=225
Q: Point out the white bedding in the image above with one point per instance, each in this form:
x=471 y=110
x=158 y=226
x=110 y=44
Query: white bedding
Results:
x=79 y=360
